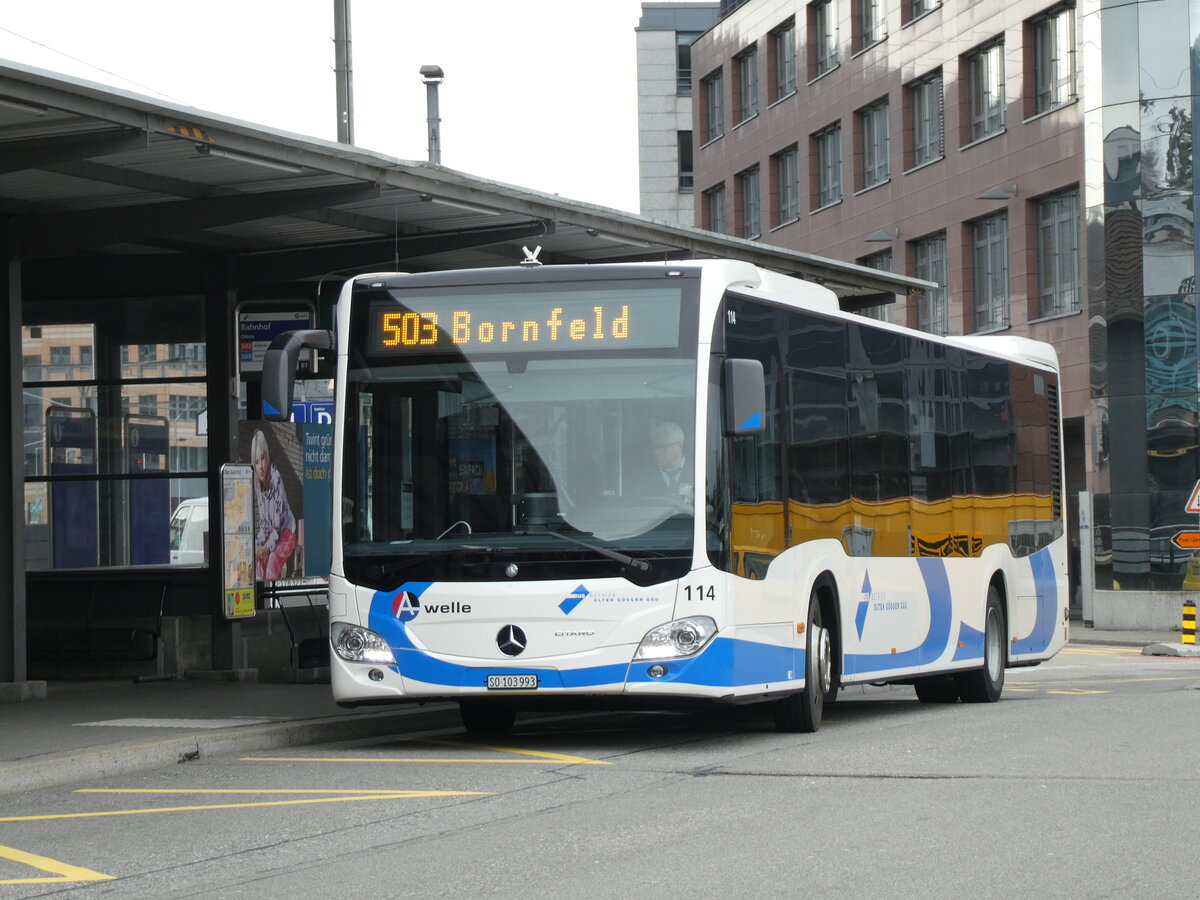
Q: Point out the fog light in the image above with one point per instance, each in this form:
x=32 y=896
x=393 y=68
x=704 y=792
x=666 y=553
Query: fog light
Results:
x=657 y=671
x=375 y=675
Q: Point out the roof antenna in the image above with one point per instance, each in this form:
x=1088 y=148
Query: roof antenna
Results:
x=531 y=256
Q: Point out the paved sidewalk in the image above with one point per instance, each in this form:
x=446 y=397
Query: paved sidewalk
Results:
x=93 y=729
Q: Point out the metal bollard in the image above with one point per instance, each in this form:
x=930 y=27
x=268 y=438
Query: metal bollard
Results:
x=1189 y=621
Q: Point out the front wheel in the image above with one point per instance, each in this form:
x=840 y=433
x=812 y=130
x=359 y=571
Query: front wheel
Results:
x=984 y=685
x=802 y=712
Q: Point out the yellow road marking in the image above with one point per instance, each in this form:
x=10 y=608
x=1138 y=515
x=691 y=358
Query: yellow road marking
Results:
x=375 y=793
x=62 y=871
x=1042 y=684
x=344 y=796
x=543 y=754
x=1104 y=651
x=539 y=756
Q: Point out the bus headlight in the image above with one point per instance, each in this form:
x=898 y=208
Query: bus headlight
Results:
x=682 y=637
x=357 y=644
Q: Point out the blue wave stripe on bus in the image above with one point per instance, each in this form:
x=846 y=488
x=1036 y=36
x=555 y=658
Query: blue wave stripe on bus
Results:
x=726 y=662
x=1045 y=583
x=970 y=643
x=937 y=588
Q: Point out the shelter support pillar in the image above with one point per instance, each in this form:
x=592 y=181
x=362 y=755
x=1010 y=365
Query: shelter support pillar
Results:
x=220 y=302
x=13 y=671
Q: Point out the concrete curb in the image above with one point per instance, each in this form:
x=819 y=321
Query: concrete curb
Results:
x=52 y=770
x=1171 y=649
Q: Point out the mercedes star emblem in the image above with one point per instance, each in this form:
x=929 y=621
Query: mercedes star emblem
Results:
x=511 y=640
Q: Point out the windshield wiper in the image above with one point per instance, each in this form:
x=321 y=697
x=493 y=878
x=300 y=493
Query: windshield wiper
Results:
x=638 y=565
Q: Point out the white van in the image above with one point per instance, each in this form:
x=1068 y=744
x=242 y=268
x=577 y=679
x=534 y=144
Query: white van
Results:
x=189 y=533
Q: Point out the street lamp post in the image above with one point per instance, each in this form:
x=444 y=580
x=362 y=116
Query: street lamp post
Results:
x=433 y=75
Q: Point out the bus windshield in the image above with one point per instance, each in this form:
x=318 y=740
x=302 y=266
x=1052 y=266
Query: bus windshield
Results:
x=470 y=465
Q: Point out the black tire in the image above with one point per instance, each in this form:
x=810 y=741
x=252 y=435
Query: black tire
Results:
x=486 y=717
x=985 y=684
x=938 y=689
x=802 y=712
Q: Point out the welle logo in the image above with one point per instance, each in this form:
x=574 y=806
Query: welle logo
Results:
x=406 y=607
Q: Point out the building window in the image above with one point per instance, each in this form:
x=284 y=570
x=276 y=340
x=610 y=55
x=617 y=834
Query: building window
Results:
x=195 y=352
x=925 y=100
x=686 y=173
x=185 y=407
x=1053 y=59
x=823 y=30
x=827 y=146
x=929 y=263
x=1058 y=253
x=60 y=356
x=918 y=8
x=748 y=192
x=876 y=145
x=783 y=60
x=714 y=106
x=683 y=61
x=882 y=262
x=871 y=23
x=746 y=72
x=787 y=185
x=985 y=91
x=714 y=209
x=989 y=258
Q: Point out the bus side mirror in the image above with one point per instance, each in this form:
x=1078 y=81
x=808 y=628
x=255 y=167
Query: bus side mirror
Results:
x=279 y=369
x=745 y=397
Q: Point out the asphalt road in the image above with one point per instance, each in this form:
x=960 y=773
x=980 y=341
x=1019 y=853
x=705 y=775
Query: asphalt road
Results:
x=1080 y=782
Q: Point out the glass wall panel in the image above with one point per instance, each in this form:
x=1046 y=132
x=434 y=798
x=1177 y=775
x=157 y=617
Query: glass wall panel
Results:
x=113 y=411
x=1119 y=41
x=1122 y=153
x=1166 y=153
x=1164 y=45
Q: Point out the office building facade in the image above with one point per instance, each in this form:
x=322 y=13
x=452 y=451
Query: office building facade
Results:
x=1035 y=159
x=664 y=74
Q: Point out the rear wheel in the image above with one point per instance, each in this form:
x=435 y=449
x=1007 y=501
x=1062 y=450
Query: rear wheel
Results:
x=487 y=716
x=802 y=712
x=984 y=685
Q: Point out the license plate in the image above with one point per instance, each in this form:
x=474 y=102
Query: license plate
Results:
x=512 y=682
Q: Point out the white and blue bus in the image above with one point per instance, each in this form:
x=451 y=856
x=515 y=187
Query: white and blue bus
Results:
x=661 y=483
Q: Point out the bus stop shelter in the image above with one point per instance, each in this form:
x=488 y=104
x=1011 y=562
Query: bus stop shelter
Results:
x=131 y=225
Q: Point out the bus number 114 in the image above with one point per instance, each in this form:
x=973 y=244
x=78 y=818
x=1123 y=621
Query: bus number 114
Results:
x=699 y=592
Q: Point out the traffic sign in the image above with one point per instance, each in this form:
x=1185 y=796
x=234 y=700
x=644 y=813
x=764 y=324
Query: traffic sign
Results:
x=1193 y=504
x=1187 y=540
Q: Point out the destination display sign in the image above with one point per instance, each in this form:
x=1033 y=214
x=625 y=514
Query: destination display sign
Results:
x=537 y=321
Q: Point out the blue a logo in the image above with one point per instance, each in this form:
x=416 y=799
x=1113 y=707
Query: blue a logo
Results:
x=406 y=606
x=860 y=617
x=573 y=599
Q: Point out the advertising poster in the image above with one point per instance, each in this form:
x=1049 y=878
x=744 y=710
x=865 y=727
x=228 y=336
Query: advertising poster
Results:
x=237 y=535
x=318 y=484
x=275 y=453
